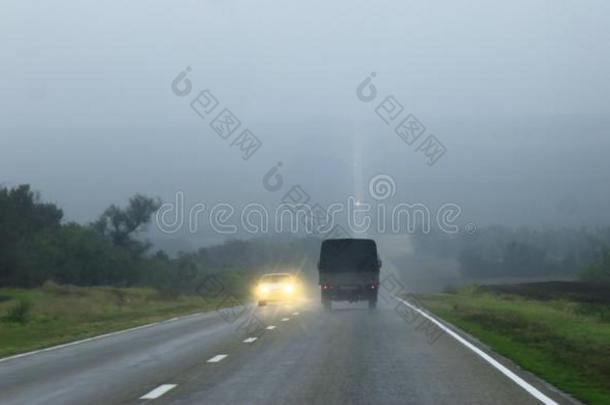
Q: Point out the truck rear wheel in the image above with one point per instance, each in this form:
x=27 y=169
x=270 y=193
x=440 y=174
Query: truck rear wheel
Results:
x=325 y=300
x=373 y=301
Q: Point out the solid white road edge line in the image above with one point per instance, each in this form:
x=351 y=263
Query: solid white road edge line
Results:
x=217 y=358
x=105 y=335
x=157 y=392
x=250 y=340
x=516 y=379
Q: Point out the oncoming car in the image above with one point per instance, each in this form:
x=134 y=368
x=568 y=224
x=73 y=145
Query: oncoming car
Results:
x=277 y=287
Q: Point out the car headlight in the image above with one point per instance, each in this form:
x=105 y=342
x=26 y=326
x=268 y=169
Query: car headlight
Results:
x=263 y=289
x=288 y=288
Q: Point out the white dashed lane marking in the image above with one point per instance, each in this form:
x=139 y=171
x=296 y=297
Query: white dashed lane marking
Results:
x=295 y=313
x=250 y=340
x=285 y=319
x=157 y=392
x=217 y=358
x=270 y=327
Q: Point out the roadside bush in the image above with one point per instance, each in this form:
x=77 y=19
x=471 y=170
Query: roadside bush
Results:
x=19 y=313
x=598 y=271
x=450 y=289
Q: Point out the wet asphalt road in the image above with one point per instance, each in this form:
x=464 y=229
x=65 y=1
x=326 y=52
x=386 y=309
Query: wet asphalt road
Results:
x=301 y=354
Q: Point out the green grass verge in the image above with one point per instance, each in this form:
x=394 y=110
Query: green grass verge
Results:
x=563 y=342
x=53 y=314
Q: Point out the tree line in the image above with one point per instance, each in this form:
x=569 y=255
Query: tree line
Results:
x=36 y=246
x=499 y=251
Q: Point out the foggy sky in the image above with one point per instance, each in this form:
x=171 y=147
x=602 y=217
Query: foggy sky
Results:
x=518 y=92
